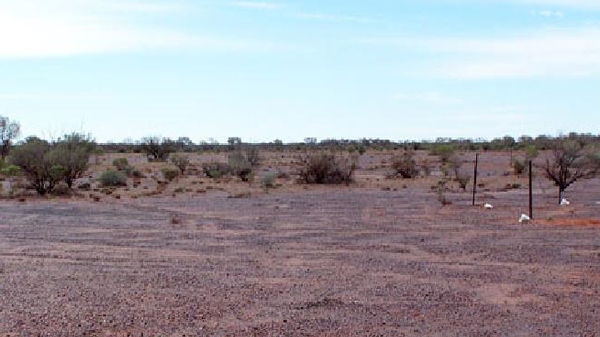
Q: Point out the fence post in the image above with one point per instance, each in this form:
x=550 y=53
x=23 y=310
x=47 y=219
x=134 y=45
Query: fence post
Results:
x=530 y=190
x=475 y=177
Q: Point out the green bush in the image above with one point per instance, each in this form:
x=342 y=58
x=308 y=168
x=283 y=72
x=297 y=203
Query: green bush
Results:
x=10 y=170
x=113 y=178
x=170 y=173
x=325 y=168
x=121 y=164
x=215 y=169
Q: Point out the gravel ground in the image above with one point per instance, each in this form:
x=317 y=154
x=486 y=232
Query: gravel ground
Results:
x=316 y=262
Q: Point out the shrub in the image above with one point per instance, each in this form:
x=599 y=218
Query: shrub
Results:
x=240 y=165
x=463 y=179
x=324 y=168
x=215 y=169
x=440 y=190
x=181 y=161
x=268 y=180
x=113 y=178
x=519 y=166
x=10 y=170
x=405 y=165
x=121 y=164
x=170 y=173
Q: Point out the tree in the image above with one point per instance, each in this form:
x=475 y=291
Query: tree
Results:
x=8 y=132
x=32 y=157
x=568 y=162
x=156 y=148
x=72 y=153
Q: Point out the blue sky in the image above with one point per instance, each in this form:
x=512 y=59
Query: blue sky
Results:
x=266 y=70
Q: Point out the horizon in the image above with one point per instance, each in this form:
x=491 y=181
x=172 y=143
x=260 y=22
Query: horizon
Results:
x=288 y=70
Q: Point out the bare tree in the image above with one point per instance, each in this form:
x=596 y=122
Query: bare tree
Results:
x=157 y=149
x=569 y=162
x=8 y=132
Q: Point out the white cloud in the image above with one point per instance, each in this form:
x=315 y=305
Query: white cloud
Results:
x=61 y=28
x=256 y=5
x=67 y=27
x=558 y=53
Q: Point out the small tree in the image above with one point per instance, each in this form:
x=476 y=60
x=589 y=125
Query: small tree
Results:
x=181 y=161
x=32 y=157
x=568 y=162
x=72 y=153
x=157 y=149
x=8 y=132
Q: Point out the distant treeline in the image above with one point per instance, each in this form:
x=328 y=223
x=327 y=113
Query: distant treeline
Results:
x=184 y=144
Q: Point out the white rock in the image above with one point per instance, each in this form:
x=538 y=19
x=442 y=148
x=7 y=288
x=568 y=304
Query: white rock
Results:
x=564 y=202
x=487 y=206
x=524 y=218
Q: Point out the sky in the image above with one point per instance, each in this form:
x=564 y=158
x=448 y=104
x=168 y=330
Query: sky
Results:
x=261 y=70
